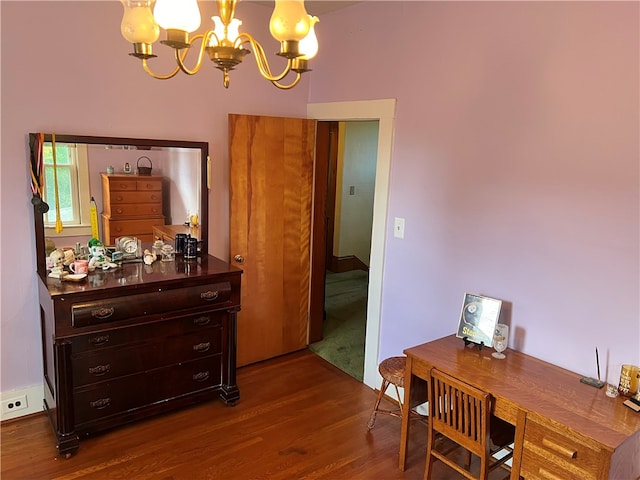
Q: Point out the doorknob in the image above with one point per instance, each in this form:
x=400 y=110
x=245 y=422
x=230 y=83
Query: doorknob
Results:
x=239 y=259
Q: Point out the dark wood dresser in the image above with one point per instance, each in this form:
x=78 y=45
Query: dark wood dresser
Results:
x=135 y=341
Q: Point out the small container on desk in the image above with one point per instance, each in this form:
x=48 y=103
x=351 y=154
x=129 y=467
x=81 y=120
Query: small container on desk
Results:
x=190 y=248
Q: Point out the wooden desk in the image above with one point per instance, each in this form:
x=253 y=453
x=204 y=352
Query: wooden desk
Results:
x=564 y=429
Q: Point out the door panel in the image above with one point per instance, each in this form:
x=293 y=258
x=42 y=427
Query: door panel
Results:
x=271 y=173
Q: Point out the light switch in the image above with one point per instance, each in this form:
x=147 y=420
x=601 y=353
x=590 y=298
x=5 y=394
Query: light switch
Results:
x=398 y=228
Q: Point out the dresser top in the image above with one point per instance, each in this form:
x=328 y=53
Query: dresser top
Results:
x=138 y=276
x=120 y=176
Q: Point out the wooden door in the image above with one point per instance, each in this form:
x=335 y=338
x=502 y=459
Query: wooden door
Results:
x=271 y=174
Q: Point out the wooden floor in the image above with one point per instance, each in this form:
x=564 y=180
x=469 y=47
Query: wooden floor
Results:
x=298 y=417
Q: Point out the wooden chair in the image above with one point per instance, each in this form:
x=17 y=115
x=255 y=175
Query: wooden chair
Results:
x=462 y=414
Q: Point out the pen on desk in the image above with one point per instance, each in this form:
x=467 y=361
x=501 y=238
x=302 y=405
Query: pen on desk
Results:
x=598 y=363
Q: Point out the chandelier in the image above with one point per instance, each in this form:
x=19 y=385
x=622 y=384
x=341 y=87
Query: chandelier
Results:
x=290 y=25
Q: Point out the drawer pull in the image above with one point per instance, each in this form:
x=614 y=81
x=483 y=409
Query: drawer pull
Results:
x=99 y=340
x=204 y=320
x=567 y=452
x=100 y=370
x=209 y=295
x=100 y=404
x=201 y=377
x=548 y=475
x=103 y=312
x=202 y=347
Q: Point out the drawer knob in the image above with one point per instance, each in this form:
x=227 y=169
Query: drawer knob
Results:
x=201 y=376
x=100 y=370
x=564 y=451
x=103 y=312
x=209 y=295
x=100 y=404
x=204 y=320
x=202 y=347
x=99 y=340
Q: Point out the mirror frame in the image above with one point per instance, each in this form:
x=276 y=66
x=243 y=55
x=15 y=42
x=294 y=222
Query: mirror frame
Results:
x=144 y=143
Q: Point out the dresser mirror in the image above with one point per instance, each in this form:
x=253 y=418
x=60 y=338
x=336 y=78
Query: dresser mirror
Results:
x=182 y=166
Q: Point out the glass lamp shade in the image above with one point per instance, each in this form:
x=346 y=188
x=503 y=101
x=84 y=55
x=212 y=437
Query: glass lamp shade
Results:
x=138 y=24
x=309 y=45
x=177 y=14
x=229 y=37
x=289 y=20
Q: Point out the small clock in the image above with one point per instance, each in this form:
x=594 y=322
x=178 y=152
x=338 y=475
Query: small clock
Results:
x=130 y=246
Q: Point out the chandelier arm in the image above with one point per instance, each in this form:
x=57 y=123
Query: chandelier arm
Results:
x=293 y=84
x=262 y=62
x=155 y=75
x=180 y=57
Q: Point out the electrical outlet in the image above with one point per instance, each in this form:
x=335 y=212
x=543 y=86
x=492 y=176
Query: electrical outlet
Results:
x=16 y=403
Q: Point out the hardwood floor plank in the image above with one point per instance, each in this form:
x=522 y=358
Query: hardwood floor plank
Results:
x=298 y=417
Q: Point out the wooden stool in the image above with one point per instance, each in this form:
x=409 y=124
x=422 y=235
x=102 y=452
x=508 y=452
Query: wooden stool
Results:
x=392 y=371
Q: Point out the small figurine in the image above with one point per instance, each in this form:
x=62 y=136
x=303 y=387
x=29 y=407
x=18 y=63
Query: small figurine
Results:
x=69 y=257
x=99 y=259
x=56 y=260
x=149 y=257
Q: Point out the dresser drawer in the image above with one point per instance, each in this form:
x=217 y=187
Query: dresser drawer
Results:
x=120 y=184
x=112 y=362
x=554 y=453
x=165 y=302
x=148 y=184
x=124 y=335
x=126 y=394
x=141 y=228
x=135 y=210
x=133 y=184
x=119 y=198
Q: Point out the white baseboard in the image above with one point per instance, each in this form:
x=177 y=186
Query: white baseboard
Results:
x=34 y=402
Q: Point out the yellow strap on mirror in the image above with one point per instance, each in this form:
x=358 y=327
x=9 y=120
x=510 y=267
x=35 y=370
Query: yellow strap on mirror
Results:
x=93 y=212
x=55 y=184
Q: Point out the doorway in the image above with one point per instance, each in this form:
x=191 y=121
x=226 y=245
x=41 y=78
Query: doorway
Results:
x=384 y=112
x=349 y=217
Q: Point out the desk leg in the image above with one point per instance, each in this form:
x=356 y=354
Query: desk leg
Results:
x=406 y=412
x=518 y=445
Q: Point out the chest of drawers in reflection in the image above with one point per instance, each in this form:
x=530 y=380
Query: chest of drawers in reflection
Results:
x=132 y=206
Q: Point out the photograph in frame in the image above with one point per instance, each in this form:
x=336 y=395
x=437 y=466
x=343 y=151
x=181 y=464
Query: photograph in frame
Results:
x=478 y=319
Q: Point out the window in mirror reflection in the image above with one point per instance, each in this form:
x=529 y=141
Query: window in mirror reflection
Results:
x=71 y=173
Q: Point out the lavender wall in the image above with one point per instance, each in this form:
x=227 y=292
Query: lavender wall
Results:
x=66 y=68
x=515 y=164
x=515 y=160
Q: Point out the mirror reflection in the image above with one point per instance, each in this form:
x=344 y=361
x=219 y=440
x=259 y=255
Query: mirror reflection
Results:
x=105 y=188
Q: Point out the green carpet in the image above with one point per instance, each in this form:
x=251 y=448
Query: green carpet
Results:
x=345 y=323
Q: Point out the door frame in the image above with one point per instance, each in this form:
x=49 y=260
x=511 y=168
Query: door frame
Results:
x=384 y=111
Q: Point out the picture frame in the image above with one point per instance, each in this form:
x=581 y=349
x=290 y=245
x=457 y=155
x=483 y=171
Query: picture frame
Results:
x=478 y=319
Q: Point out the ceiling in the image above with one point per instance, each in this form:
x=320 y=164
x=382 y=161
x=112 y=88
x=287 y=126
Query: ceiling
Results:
x=318 y=7
x=315 y=7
